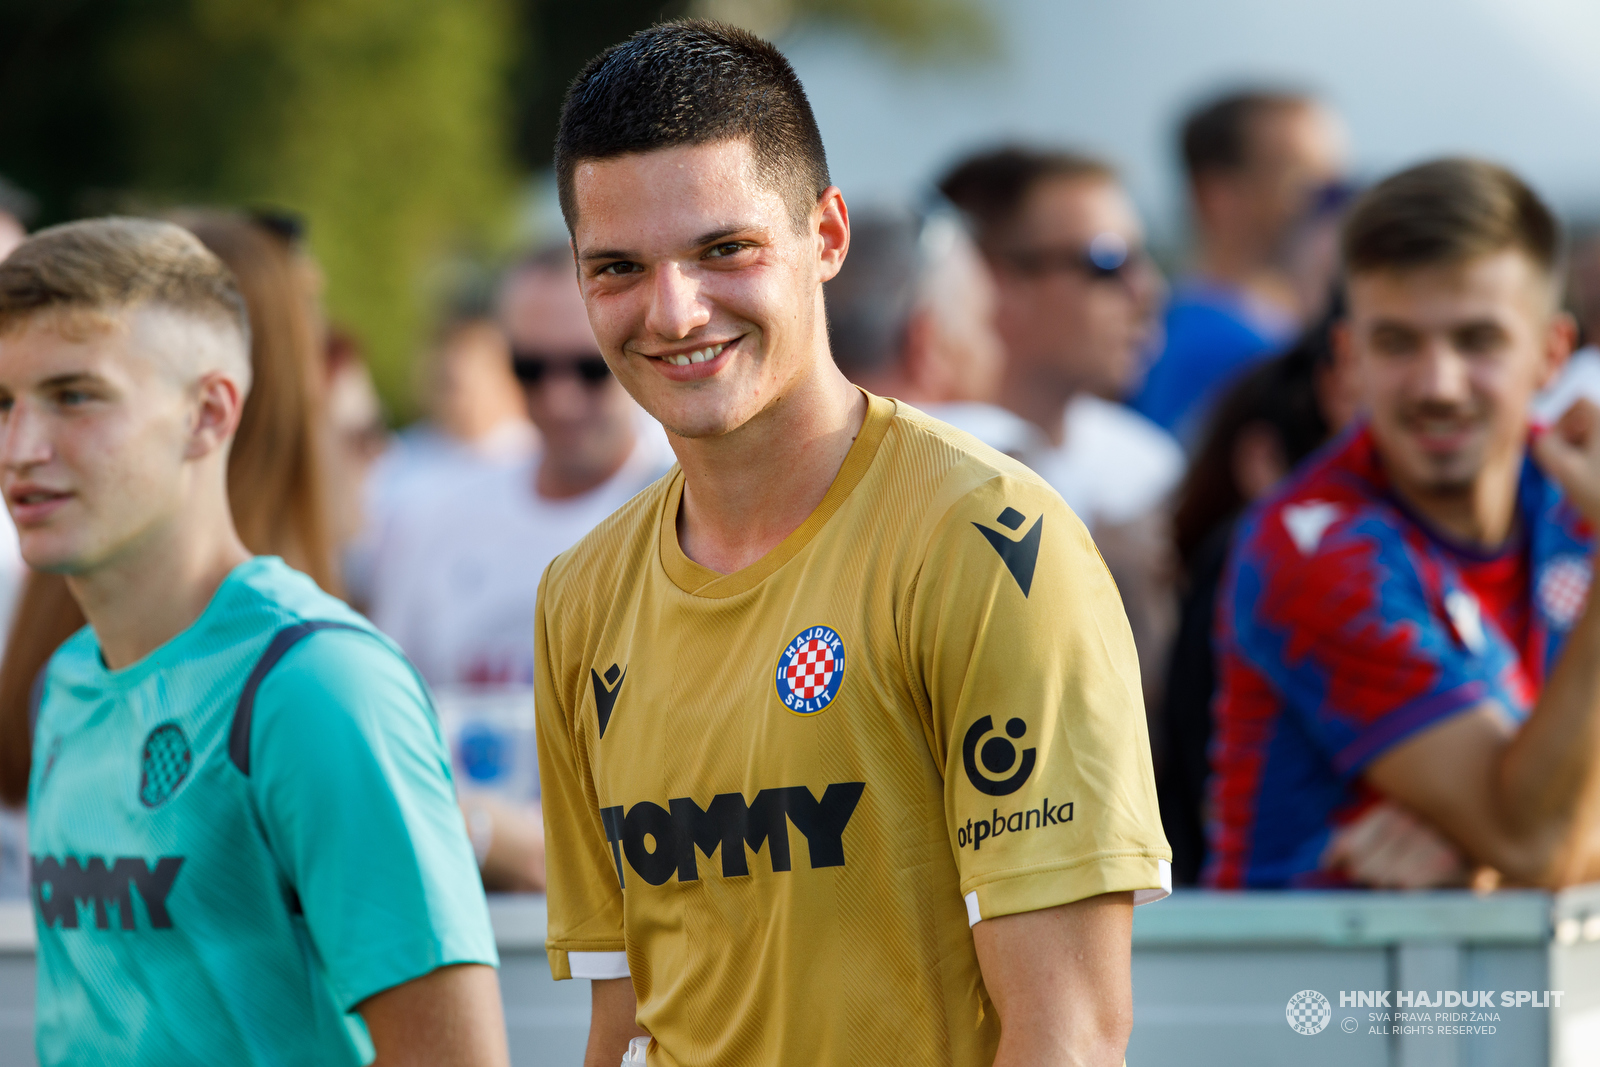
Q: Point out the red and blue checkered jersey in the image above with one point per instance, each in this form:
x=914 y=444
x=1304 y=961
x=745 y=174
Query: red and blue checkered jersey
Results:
x=1345 y=626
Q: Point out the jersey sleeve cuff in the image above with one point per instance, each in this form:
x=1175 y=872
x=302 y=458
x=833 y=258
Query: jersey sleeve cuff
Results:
x=576 y=963
x=1401 y=723
x=1148 y=875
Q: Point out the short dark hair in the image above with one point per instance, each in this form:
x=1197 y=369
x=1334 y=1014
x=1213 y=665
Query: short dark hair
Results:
x=1448 y=211
x=990 y=187
x=694 y=82
x=1216 y=135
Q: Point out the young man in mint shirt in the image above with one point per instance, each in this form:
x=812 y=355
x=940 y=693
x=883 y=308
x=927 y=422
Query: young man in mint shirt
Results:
x=245 y=844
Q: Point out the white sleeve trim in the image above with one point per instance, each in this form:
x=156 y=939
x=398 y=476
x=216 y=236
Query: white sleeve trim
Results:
x=1140 y=896
x=598 y=964
x=1150 y=896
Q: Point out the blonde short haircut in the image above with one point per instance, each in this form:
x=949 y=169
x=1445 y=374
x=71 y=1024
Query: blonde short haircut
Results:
x=112 y=264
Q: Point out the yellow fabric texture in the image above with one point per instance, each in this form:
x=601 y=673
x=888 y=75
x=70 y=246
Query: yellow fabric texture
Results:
x=788 y=883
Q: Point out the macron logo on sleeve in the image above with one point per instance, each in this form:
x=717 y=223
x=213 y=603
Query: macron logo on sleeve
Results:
x=1020 y=555
x=1307 y=523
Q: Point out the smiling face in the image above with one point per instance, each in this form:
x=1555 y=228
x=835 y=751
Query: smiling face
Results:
x=94 y=432
x=1446 y=360
x=704 y=296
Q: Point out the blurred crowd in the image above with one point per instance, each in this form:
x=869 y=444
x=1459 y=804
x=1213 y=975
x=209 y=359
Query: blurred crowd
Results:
x=1017 y=300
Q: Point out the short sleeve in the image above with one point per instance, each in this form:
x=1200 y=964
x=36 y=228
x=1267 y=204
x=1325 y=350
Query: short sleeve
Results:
x=353 y=785
x=1346 y=632
x=1023 y=659
x=583 y=887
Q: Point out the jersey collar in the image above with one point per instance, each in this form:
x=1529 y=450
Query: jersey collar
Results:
x=691 y=577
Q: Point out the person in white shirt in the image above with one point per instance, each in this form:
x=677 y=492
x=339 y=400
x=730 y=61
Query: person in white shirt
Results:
x=1581 y=376
x=475 y=424
x=911 y=315
x=457 y=574
x=1078 y=304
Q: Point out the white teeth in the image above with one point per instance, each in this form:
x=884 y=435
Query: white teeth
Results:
x=699 y=355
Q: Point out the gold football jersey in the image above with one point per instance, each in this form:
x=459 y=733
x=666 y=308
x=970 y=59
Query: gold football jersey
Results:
x=778 y=798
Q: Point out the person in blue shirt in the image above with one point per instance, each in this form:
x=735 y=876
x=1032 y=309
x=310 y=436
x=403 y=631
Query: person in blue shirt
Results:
x=1261 y=166
x=245 y=844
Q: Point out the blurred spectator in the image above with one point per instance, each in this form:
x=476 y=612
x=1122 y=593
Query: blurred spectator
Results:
x=1263 y=426
x=275 y=473
x=16 y=212
x=1078 y=296
x=475 y=425
x=1581 y=376
x=458 y=571
x=358 y=441
x=911 y=315
x=1259 y=165
x=1389 y=620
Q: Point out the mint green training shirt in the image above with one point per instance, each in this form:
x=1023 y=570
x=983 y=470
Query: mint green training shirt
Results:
x=191 y=913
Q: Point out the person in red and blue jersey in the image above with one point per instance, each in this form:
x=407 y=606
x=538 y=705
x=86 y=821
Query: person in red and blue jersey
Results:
x=1405 y=626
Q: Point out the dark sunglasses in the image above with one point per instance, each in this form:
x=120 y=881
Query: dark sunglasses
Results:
x=1107 y=258
x=533 y=368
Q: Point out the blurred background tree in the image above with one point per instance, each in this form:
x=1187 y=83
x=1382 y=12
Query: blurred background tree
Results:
x=401 y=129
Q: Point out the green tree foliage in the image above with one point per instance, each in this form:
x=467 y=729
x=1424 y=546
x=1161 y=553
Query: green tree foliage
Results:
x=383 y=121
x=397 y=127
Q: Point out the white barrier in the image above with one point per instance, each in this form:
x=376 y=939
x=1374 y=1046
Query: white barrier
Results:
x=1214 y=977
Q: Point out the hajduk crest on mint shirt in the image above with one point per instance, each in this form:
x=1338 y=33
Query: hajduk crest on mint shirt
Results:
x=777 y=799
x=1346 y=626
x=213 y=893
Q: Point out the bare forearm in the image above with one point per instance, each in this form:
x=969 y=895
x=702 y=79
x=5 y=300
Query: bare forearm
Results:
x=612 y=1021
x=1549 y=775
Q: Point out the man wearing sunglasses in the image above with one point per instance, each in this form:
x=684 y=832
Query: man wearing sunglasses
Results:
x=458 y=574
x=1078 y=300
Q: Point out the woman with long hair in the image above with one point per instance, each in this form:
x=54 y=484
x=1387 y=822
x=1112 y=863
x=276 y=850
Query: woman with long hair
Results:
x=275 y=471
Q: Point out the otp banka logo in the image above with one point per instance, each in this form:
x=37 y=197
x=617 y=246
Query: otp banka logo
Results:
x=998 y=756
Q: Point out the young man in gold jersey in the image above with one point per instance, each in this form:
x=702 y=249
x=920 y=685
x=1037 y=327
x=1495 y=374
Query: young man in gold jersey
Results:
x=841 y=744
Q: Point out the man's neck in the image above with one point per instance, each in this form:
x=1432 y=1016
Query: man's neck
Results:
x=1236 y=267
x=560 y=478
x=745 y=491
x=157 y=589
x=893 y=381
x=1043 y=404
x=1482 y=516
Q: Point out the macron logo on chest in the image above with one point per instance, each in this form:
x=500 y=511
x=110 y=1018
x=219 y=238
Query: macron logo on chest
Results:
x=1306 y=523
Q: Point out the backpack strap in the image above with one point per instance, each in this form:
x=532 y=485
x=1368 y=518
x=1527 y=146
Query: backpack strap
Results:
x=244 y=711
x=35 y=702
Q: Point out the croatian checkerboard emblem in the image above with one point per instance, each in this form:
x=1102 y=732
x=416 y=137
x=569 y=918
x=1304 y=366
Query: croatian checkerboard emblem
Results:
x=810 y=670
x=1563 y=590
x=1309 y=1012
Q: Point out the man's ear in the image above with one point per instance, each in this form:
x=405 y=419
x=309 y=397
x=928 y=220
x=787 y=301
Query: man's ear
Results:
x=1560 y=338
x=219 y=403
x=830 y=222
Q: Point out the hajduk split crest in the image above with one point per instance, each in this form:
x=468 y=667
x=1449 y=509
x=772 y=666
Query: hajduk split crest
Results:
x=810 y=669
